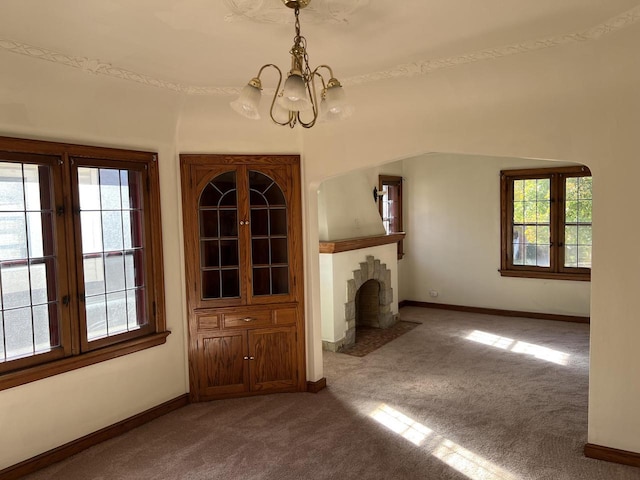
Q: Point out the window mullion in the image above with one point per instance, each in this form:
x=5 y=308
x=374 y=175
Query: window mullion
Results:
x=74 y=253
x=556 y=202
x=56 y=257
x=47 y=229
x=144 y=297
x=561 y=222
x=508 y=243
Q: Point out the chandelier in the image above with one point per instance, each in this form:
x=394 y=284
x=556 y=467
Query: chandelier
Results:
x=297 y=102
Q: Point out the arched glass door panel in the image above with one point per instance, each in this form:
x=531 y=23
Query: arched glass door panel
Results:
x=269 y=240
x=219 y=249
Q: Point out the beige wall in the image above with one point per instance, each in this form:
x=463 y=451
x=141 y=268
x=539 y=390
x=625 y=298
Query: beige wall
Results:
x=346 y=208
x=576 y=103
x=452 y=207
x=45 y=101
x=453 y=216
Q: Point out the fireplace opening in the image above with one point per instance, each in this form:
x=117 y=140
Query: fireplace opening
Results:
x=368 y=305
x=369 y=297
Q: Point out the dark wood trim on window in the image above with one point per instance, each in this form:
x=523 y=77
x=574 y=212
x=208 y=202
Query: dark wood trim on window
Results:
x=73 y=352
x=54 y=163
x=38 y=372
x=556 y=269
x=396 y=182
x=522 y=273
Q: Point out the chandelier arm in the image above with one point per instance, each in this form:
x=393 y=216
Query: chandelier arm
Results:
x=306 y=125
x=323 y=66
x=311 y=88
x=269 y=65
x=318 y=74
x=275 y=95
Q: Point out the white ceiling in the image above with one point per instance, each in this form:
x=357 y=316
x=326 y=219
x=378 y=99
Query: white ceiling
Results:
x=201 y=43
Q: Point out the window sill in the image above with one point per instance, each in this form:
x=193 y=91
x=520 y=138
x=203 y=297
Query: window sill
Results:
x=576 y=277
x=38 y=372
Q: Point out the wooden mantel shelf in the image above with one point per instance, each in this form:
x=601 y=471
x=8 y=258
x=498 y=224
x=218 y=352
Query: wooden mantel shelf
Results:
x=348 y=244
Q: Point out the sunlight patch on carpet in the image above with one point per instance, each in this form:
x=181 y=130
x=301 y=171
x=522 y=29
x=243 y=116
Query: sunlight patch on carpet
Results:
x=464 y=461
x=515 y=346
x=468 y=463
x=401 y=424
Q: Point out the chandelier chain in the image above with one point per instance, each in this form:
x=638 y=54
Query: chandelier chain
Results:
x=297 y=12
x=300 y=48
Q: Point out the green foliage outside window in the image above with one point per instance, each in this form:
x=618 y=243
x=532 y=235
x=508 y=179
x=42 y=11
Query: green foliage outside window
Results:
x=549 y=222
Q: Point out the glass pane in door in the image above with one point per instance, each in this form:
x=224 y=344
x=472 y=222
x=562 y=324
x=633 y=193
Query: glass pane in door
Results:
x=269 y=242
x=219 y=247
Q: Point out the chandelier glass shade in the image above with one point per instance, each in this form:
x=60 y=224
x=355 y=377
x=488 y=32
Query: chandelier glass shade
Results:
x=297 y=101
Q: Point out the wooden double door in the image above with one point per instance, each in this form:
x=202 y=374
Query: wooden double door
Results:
x=243 y=252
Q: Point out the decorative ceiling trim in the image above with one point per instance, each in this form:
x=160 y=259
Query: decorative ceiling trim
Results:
x=97 y=67
x=427 y=66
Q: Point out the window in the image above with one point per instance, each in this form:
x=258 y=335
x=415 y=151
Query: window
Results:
x=390 y=205
x=546 y=223
x=80 y=257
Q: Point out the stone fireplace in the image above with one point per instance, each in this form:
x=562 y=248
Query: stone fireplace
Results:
x=357 y=284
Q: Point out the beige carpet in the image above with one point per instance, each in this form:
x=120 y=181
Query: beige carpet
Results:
x=461 y=396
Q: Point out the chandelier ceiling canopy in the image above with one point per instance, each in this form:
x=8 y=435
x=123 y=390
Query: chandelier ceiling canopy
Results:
x=271 y=11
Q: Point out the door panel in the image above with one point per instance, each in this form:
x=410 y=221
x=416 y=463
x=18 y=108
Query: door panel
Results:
x=223 y=368
x=274 y=358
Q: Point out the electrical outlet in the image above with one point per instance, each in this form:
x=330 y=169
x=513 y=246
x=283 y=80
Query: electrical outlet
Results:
x=433 y=293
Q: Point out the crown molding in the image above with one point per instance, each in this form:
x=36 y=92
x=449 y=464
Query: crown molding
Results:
x=427 y=66
x=98 y=67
